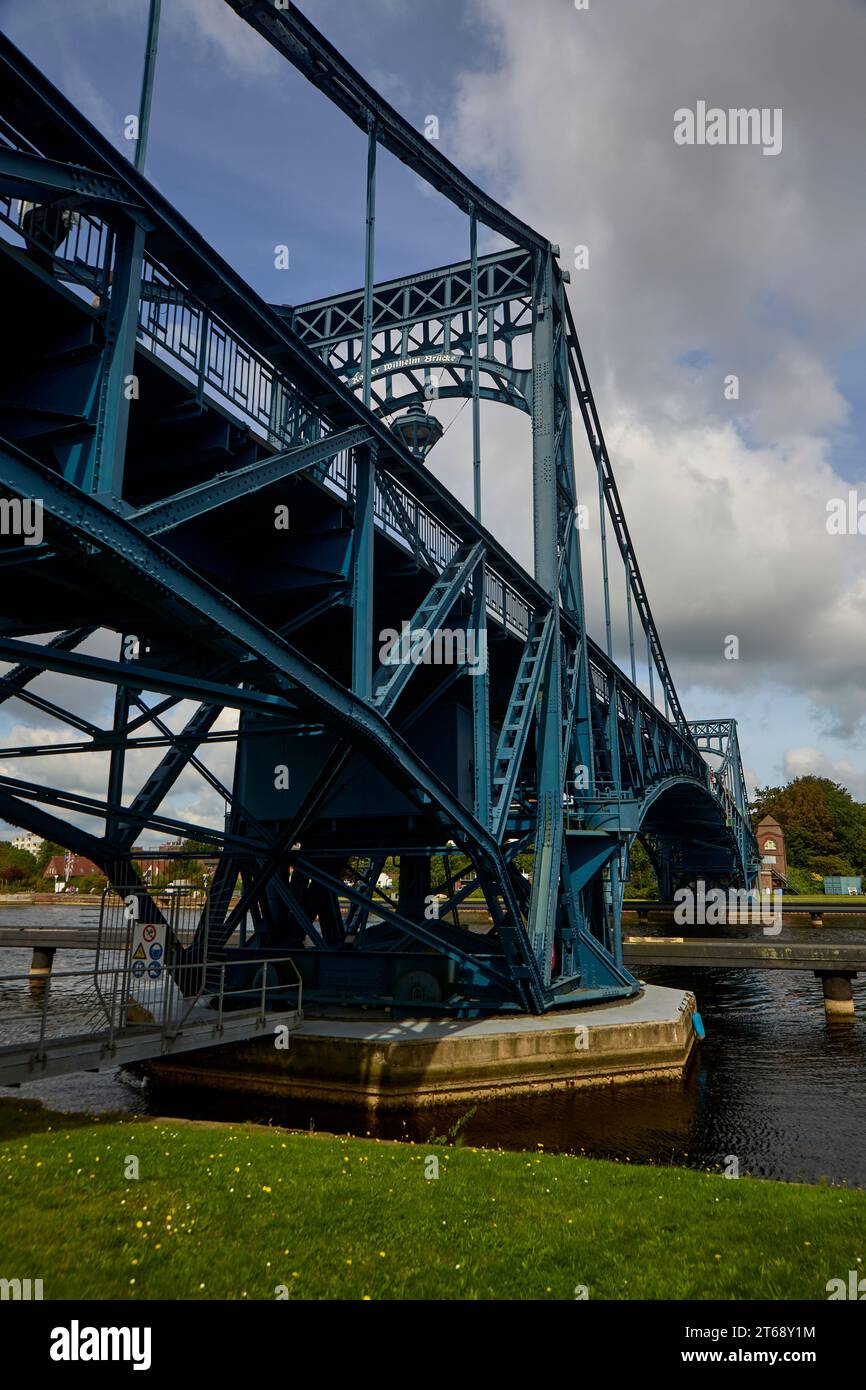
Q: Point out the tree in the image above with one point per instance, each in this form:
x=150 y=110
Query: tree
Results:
x=19 y=860
x=200 y=848
x=641 y=881
x=822 y=823
x=46 y=851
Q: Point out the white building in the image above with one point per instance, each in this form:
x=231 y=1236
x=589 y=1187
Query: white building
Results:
x=26 y=840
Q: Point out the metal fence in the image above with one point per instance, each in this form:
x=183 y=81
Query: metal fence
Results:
x=142 y=981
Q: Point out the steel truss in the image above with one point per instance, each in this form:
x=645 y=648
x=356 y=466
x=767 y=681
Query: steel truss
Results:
x=158 y=508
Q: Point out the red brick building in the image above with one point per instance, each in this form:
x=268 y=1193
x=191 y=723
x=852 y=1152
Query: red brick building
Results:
x=774 y=862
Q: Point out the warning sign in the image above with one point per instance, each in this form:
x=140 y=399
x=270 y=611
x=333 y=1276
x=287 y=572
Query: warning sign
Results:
x=148 y=948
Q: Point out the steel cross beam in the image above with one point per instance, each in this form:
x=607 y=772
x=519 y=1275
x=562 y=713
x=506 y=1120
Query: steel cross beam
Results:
x=54 y=828
x=101 y=809
x=138 y=676
x=389 y=681
x=24 y=174
x=442 y=293
x=184 y=592
x=16 y=680
x=424 y=324
x=195 y=501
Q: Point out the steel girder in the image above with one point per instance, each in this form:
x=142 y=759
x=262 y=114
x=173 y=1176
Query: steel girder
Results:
x=384 y=543
x=719 y=737
x=422 y=332
x=423 y=326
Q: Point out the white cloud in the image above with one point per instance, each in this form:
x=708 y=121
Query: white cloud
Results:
x=214 y=33
x=812 y=762
x=716 y=257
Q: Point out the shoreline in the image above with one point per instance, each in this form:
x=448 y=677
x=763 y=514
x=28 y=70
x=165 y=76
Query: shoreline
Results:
x=364 y=1218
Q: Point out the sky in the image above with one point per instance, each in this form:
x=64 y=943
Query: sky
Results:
x=705 y=261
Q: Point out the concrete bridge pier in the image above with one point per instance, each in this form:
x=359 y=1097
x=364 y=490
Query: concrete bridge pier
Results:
x=838 y=993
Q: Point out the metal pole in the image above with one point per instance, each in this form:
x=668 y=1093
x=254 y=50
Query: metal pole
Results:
x=616 y=894
x=603 y=532
x=122 y=319
x=147 y=85
x=476 y=398
x=481 y=697
x=369 y=255
x=480 y=686
x=649 y=662
x=365 y=464
x=630 y=624
x=547 y=861
x=362 y=571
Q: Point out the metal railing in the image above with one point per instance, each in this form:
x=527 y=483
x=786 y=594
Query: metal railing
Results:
x=73 y=242
x=178 y=328
x=174 y=324
x=36 y=1011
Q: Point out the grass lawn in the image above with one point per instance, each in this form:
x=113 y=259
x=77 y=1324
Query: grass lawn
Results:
x=236 y=1211
x=788 y=899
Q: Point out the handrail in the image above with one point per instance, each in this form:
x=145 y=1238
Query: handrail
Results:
x=168 y=1025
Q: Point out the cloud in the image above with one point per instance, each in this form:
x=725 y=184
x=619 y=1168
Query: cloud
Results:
x=811 y=762
x=212 y=32
x=703 y=262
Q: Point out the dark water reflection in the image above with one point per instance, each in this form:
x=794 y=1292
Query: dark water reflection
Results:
x=773 y=1084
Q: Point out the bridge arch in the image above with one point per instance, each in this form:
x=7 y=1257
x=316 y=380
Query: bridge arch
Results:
x=689 y=834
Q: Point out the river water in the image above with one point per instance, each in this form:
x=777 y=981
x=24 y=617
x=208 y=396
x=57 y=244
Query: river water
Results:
x=774 y=1085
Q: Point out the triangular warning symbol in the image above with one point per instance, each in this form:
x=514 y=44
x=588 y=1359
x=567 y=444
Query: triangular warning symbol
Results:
x=138 y=953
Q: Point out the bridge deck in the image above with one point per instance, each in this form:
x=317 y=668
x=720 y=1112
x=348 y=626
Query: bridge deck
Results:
x=804 y=906
x=51 y=938
x=27 y=1061
x=744 y=954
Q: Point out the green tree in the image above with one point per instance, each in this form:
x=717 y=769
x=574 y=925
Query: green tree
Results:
x=17 y=866
x=46 y=851
x=199 y=848
x=823 y=825
x=641 y=881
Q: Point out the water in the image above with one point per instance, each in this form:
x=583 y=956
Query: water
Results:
x=774 y=1085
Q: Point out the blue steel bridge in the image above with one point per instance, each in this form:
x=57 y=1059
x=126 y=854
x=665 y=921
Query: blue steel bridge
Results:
x=243 y=494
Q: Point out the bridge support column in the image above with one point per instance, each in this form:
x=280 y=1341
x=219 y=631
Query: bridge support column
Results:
x=547 y=860
x=40 y=965
x=838 y=994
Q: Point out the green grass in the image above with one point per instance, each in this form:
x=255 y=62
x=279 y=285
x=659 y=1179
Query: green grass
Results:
x=235 y=1211
x=858 y=899
x=791 y=899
